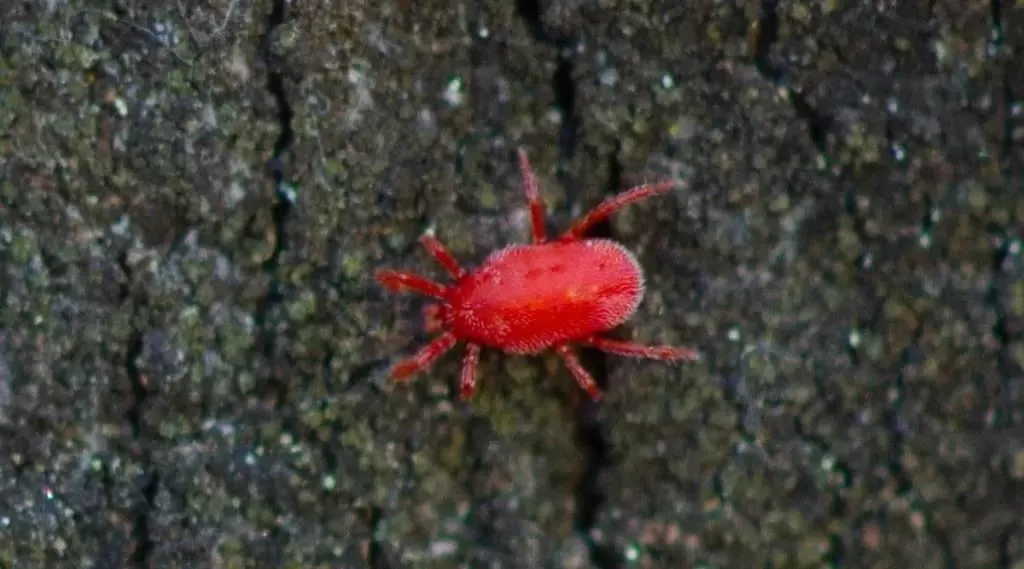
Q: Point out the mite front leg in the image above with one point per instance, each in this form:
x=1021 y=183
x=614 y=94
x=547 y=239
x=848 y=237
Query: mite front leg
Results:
x=467 y=383
x=533 y=198
x=425 y=357
x=398 y=281
x=610 y=205
x=441 y=254
x=633 y=350
x=582 y=376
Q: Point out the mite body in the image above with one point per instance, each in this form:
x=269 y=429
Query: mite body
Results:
x=525 y=299
x=528 y=298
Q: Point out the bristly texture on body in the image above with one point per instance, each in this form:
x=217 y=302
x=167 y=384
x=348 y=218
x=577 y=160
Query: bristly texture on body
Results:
x=525 y=299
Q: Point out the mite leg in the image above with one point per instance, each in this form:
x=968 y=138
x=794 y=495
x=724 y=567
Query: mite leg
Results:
x=397 y=281
x=536 y=208
x=422 y=359
x=583 y=377
x=610 y=205
x=441 y=254
x=630 y=349
x=467 y=383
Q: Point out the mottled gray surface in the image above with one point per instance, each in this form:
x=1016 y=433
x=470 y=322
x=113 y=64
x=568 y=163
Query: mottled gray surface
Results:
x=194 y=195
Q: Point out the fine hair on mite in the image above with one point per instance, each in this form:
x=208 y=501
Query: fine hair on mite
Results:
x=549 y=294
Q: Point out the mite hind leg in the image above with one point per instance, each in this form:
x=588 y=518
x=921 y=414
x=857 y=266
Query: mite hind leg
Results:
x=583 y=377
x=634 y=350
x=533 y=198
x=611 y=205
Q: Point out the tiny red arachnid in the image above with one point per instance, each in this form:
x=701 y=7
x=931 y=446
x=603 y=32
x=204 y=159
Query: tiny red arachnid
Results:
x=525 y=299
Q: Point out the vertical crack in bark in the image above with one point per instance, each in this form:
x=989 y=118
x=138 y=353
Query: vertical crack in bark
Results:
x=282 y=206
x=149 y=480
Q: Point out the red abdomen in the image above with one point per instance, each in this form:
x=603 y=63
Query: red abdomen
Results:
x=526 y=298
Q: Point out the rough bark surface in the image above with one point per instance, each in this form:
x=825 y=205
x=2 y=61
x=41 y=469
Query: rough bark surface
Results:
x=194 y=195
